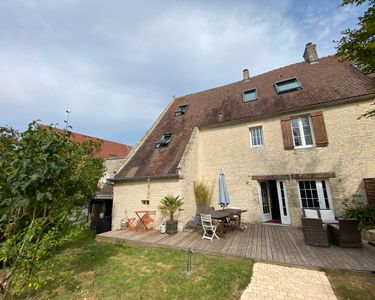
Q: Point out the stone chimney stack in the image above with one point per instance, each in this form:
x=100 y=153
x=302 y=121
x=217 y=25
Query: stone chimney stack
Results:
x=246 y=74
x=310 y=55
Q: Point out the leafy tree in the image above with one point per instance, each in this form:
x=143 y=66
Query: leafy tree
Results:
x=359 y=44
x=45 y=181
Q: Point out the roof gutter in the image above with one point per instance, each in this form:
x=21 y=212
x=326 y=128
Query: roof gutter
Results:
x=140 y=178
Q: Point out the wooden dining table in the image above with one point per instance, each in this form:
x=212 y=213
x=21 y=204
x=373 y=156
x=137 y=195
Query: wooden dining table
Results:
x=224 y=215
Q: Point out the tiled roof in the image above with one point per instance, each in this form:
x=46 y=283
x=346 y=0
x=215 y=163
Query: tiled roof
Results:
x=108 y=149
x=324 y=82
x=106 y=192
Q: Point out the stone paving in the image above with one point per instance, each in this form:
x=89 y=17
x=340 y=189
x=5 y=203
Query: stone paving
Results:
x=281 y=282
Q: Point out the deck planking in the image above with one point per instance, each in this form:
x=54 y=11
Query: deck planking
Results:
x=280 y=244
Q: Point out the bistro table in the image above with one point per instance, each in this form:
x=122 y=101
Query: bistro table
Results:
x=224 y=215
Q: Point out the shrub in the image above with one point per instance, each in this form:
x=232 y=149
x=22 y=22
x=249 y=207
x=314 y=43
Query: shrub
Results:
x=366 y=214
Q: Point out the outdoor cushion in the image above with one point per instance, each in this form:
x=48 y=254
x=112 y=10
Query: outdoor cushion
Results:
x=334 y=226
x=311 y=214
x=327 y=215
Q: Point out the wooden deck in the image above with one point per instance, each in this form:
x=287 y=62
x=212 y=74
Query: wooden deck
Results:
x=280 y=244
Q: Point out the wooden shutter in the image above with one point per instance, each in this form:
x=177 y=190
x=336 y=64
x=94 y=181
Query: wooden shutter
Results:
x=320 y=132
x=370 y=190
x=286 y=129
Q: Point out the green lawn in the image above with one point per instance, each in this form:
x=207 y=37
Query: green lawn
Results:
x=352 y=285
x=86 y=269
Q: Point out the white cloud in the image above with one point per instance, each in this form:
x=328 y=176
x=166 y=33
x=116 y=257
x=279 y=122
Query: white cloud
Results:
x=116 y=64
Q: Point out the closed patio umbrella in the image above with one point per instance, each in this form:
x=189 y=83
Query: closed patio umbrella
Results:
x=223 y=190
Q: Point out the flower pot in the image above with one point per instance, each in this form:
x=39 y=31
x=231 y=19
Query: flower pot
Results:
x=171 y=226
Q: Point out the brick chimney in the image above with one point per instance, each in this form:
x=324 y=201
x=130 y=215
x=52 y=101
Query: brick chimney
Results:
x=246 y=74
x=310 y=55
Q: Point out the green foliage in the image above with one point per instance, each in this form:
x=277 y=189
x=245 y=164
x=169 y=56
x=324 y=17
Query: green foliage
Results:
x=45 y=180
x=203 y=194
x=170 y=204
x=359 y=44
x=354 y=209
x=366 y=214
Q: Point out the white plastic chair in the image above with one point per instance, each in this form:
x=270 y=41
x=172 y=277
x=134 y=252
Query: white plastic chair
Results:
x=208 y=228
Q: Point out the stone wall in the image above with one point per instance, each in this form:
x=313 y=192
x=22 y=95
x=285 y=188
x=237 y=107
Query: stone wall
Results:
x=129 y=195
x=112 y=165
x=350 y=154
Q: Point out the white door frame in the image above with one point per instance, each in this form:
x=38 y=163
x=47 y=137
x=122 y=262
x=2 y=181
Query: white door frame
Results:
x=283 y=202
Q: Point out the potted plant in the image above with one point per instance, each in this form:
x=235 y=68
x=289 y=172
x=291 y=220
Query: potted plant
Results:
x=169 y=205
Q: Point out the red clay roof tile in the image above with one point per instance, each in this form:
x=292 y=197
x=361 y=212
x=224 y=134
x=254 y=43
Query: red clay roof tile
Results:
x=108 y=149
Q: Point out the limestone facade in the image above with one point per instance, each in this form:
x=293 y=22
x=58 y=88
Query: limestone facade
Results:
x=350 y=154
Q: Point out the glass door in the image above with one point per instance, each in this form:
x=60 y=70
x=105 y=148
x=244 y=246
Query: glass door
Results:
x=265 y=201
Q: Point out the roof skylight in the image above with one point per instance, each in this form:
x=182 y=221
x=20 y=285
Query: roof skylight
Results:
x=288 y=85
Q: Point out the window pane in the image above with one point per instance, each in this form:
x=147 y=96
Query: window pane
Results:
x=288 y=85
x=307 y=130
x=309 y=194
x=256 y=136
x=296 y=133
x=250 y=95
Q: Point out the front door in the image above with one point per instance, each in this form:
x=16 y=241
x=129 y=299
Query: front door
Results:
x=265 y=201
x=283 y=202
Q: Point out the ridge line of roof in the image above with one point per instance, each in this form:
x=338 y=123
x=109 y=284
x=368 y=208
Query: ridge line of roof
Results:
x=84 y=135
x=238 y=81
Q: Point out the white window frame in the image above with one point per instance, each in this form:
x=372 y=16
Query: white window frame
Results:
x=302 y=133
x=319 y=187
x=251 y=136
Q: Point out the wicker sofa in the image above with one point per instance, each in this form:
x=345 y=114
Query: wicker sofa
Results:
x=315 y=232
x=346 y=233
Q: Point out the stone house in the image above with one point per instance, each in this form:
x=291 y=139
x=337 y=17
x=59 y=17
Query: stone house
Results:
x=286 y=139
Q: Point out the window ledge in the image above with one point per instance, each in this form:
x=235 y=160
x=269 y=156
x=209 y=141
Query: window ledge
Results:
x=304 y=147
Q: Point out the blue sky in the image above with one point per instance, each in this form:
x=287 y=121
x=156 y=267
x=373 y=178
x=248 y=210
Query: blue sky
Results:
x=116 y=64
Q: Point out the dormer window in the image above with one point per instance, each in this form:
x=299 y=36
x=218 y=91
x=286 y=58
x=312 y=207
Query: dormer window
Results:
x=288 y=85
x=250 y=95
x=164 y=140
x=181 y=110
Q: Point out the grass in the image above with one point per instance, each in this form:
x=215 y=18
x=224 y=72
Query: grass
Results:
x=352 y=285
x=86 y=269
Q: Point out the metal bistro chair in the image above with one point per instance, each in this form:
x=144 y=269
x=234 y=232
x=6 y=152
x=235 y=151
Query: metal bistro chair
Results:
x=208 y=228
x=131 y=222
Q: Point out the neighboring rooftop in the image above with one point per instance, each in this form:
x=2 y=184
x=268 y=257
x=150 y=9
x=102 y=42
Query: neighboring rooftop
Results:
x=322 y=81
x=109 y=149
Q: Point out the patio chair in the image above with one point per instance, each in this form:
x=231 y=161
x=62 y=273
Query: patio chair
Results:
x=130 y=221
x=346 y=233
x=315 y=233
x=148 y=220
x=310 y=213
x=327 y=216
x=209 y=229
